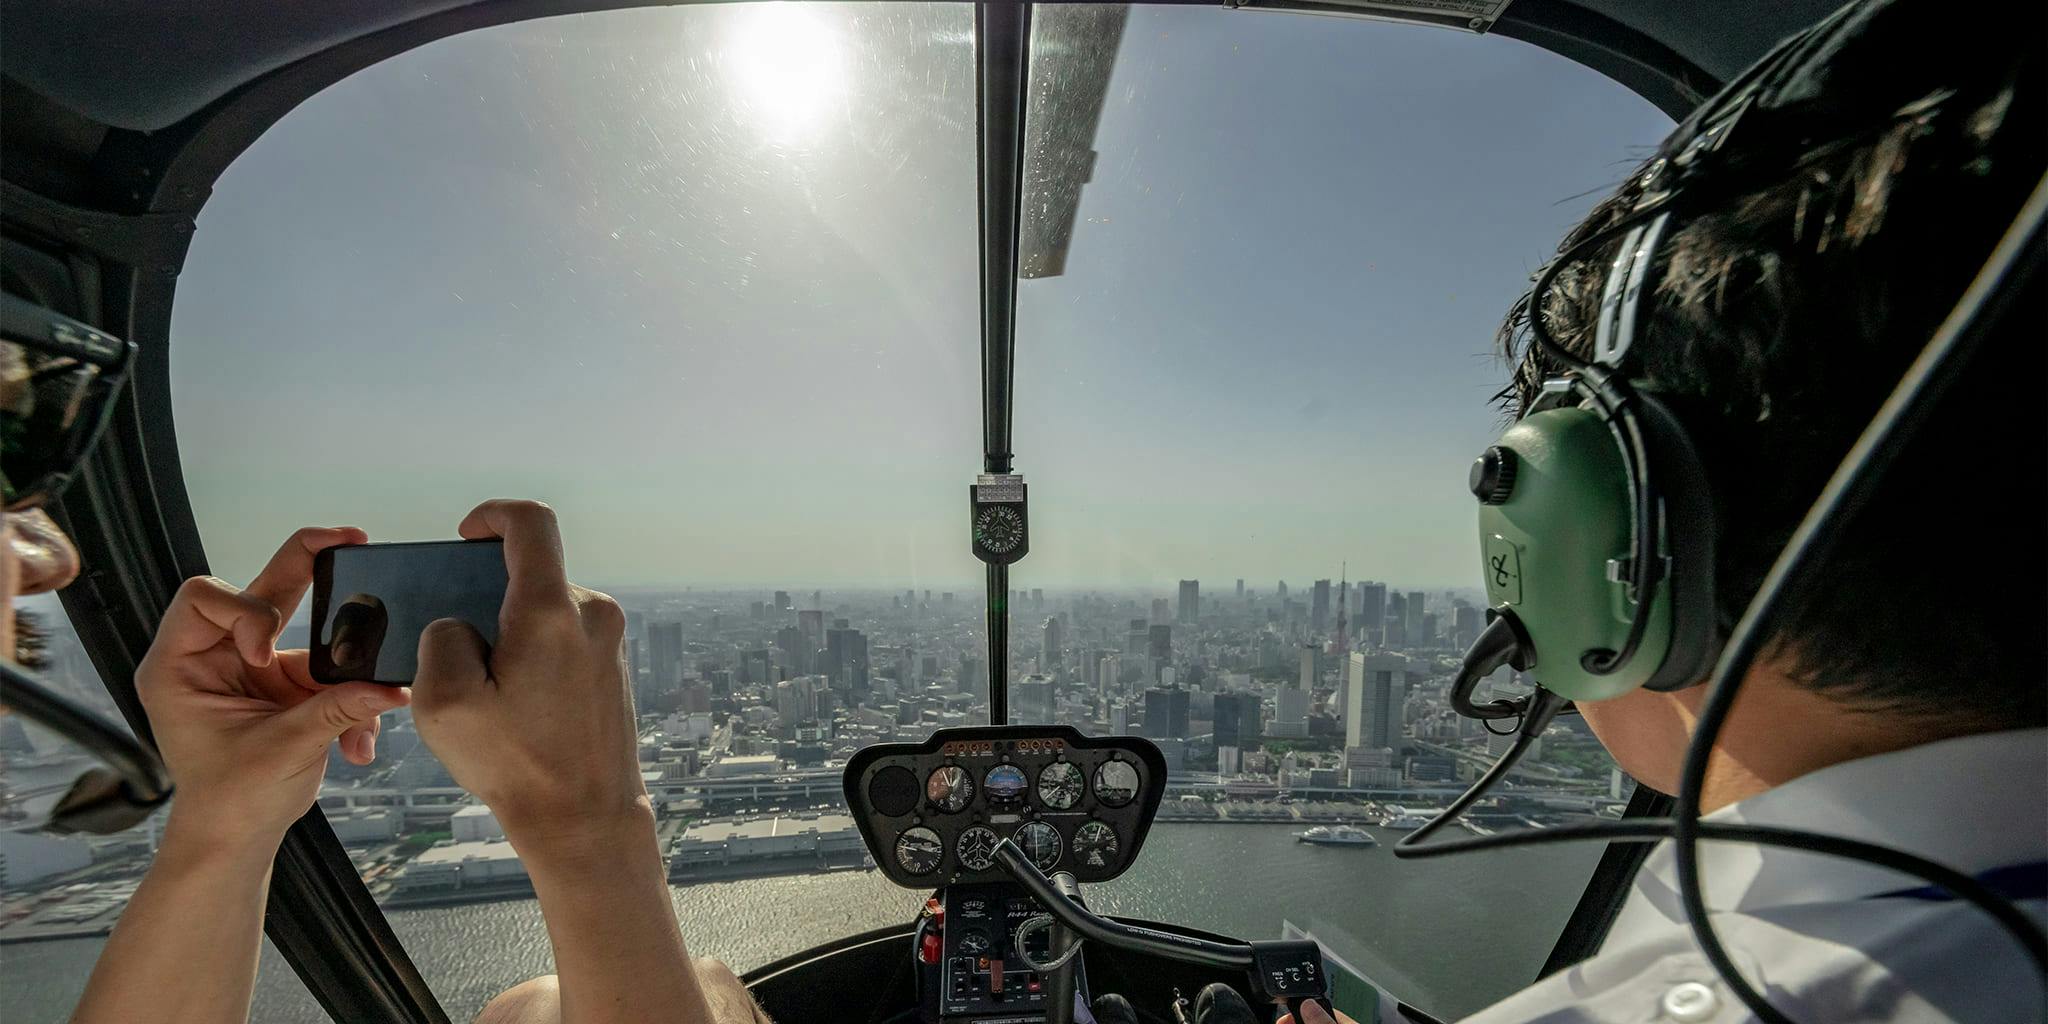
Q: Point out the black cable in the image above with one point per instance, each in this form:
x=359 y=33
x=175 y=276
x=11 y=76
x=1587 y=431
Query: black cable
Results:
x=1854 y=483
x=1543 y=706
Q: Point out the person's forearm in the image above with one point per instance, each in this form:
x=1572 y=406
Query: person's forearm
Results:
x=618 y=953
x=186 y=945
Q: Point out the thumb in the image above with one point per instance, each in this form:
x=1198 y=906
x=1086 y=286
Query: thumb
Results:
x=452 y=660
x=320 y=718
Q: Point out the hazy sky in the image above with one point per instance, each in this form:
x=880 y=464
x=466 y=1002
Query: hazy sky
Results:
x=704 y=279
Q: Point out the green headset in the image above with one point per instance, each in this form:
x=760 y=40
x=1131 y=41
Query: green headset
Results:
x=1596 y=519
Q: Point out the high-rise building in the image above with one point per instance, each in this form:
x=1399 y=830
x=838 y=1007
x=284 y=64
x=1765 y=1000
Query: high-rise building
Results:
x=1136 y=639
x=1240 y=588
x=782 y=600
x=1234 y=719
x=1311 y=672
x=1319 y=608
x=1037 y=599
x=1378 y=685
x=1283 y=592
x=1469 y=622
x=1161 y=611
x=1415 y=609
x=1429 y=629
x=1190 y=608
x=796 y=648
x=812 y=622
x=1397 y=620
x=1031 y=701
x=1051 y=648
x=1372 y=613
x=1166 y=713
x=1109 y=670
x=846 y=657
x=1290 y=713
x=1160 y=644
x=665 y=654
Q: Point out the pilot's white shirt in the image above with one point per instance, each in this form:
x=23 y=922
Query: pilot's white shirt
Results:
x=1818 y=933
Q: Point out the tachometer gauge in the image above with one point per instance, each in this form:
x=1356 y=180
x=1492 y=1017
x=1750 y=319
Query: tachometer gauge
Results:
x=1041 y=843
x=1116 y=783
x=1005 y=782
x=1060 y=785
x=920 y=850
x=949 y=788
x=977 y=848
x=973 y=941
x=1095 y=845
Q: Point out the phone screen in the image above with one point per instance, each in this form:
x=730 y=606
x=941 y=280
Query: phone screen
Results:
x=371 y=602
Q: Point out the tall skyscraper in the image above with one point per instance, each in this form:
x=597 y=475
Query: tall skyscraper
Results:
x=665 y=654
x=1136 y=639
x=1240 y=588
x=1031 y=701
x=782 y=600
x=1397 y=619
x=1109 y=670
x=1160 y=646
x=812 y=623
x=1415 y=609
x=1235 y=719
x=1051 y=648
x=1190 y=607
x=1166 y=713
x=1372 y=613
x=1378 y=685
x=1311 y=673
x=1161 y=612
x=1037 y=599
x=846 y=655
x=1470 y=621
x=1319 y=608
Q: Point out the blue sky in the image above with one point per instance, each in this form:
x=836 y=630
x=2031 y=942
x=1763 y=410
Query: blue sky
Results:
x=704 y=278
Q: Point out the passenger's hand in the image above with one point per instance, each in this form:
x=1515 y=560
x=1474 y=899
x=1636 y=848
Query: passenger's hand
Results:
x=242 y=726
x=540 y=728
x=1313 y=1013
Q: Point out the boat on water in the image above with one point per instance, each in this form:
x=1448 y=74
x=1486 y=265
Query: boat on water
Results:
x=1337 y=835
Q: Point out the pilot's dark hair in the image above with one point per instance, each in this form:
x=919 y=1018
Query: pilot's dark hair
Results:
x=1785 y=317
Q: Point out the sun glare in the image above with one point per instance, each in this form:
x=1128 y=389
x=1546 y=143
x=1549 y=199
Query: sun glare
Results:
x=787 y=68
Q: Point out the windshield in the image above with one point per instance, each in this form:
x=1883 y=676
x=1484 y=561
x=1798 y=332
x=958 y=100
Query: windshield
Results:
x=1248 y=390
x=702 y=278
x=705 y=279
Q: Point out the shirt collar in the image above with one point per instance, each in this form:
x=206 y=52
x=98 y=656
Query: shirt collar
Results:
x=1972 y=803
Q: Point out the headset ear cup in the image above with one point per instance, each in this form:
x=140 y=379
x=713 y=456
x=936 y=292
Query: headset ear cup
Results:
x=1691 y=535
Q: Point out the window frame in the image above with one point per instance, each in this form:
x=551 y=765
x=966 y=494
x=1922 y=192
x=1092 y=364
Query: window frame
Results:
x=132 y=520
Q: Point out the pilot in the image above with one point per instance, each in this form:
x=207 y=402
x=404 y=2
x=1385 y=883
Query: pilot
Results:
x=1901 y=700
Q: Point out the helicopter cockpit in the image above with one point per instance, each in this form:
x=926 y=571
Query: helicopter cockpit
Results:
x=747 y=292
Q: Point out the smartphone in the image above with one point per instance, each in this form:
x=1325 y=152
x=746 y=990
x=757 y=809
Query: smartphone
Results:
x=372 y=601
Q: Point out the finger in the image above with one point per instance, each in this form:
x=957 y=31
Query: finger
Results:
x=534 y=569
x=283 y=582
x=1312 y=1012
x=297 y=667
x=208 y=610
x=359 y=743
x=453 y=662
x=324 y=716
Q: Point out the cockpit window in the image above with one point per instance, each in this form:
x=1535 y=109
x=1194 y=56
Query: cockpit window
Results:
x=702 y=278
x=1264 y=259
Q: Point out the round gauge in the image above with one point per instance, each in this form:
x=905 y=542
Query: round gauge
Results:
x=893 y=791
x=999 y=528
x=949 y=788
x=1060 y=785
x=977 y=848
x=1041 y=843
x=1116 y=782
x=1095 y=845
x=973 y=941
x=1004 y=782
x=920 y=850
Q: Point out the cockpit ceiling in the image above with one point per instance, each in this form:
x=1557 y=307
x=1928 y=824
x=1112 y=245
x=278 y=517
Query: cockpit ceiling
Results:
x=148 y=64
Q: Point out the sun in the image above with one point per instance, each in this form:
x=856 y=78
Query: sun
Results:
x=787 y=68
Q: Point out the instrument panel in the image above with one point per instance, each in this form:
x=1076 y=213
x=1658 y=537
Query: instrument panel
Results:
x=932 y=812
